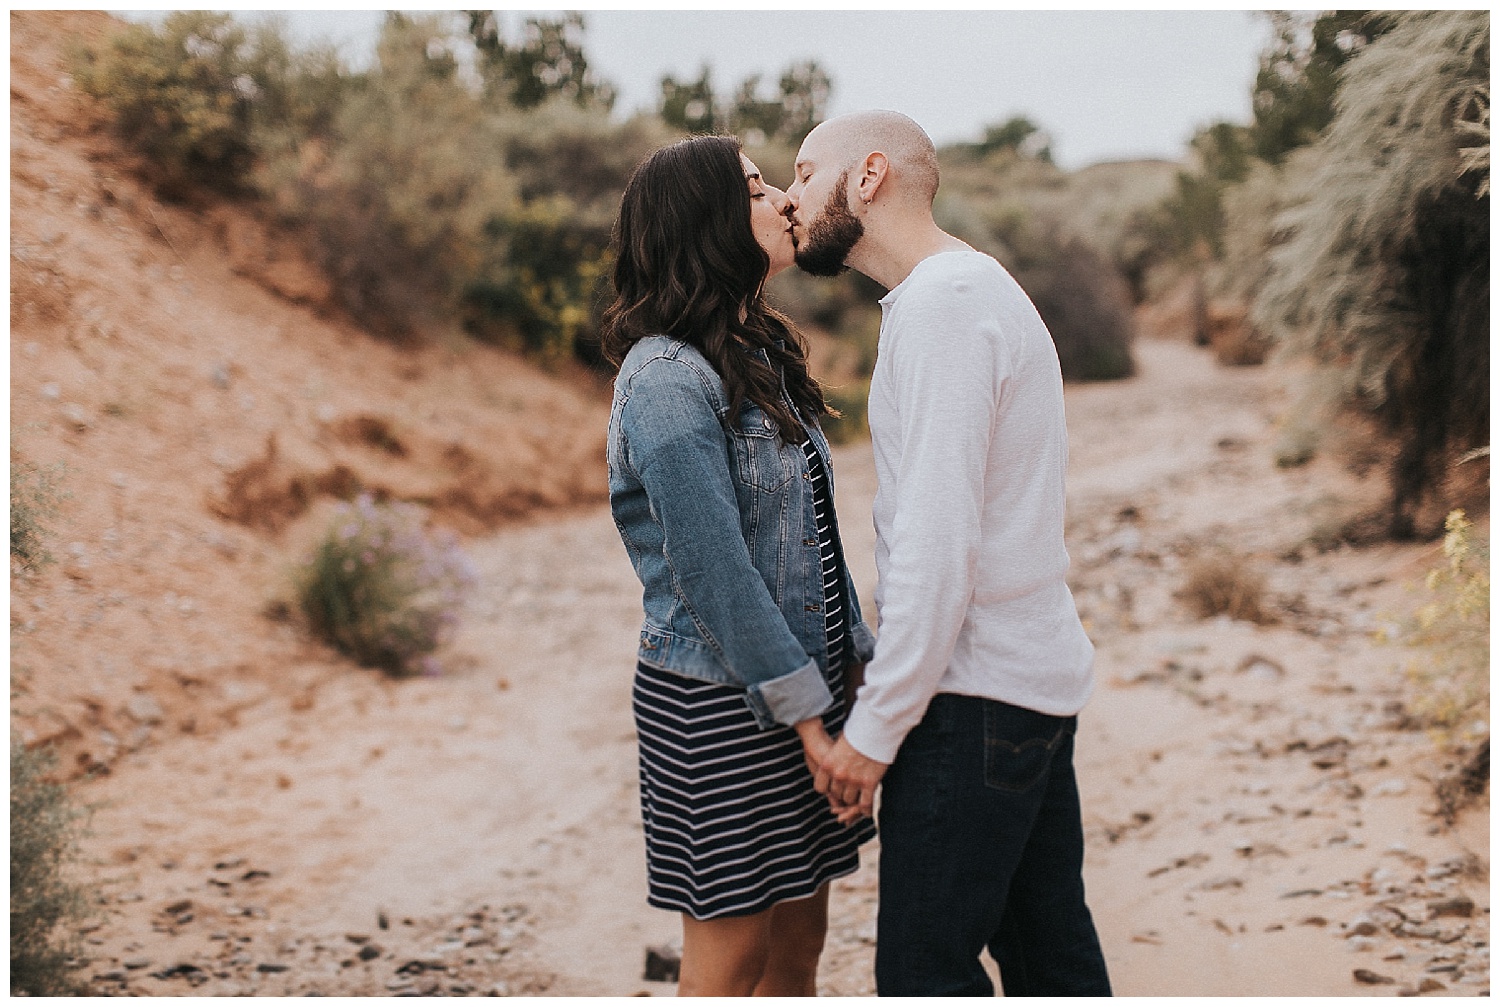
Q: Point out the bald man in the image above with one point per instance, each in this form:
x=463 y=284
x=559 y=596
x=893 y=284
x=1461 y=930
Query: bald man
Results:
x=967 y=712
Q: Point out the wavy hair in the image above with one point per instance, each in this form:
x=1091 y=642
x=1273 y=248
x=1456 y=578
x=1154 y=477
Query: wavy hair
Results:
x=688 y=266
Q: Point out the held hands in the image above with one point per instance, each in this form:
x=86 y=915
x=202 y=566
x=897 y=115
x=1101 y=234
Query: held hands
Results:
x=846 y=777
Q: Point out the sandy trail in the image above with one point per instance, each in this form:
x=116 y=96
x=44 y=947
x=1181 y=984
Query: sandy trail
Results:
x=1254 y=808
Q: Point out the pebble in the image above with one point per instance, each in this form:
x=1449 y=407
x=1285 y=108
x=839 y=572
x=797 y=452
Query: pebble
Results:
x=76 y=416
x=136 y=963
x=1371 y=978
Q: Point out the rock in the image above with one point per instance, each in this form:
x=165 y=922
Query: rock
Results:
x=143 y=708
x=1372 y=978
x=136 y=963
x=1430 y=985
x=76 y=415
x=272 y=967
x=370 y=952
x=1460 y=905
x=663 y=964
x=1389 y=788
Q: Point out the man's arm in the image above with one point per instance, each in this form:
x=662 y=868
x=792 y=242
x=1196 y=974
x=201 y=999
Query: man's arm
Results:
x=947 y=367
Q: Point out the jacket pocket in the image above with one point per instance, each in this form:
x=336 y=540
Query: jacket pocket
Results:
x=759 y=456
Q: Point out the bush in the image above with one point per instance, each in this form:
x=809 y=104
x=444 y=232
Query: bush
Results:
x=1225 y=585
x=1453 y=626
x=33 y=502
x=186 y=95
x=381 y=590
x=851 y=402
x=1087 y=307
x=1381 y=264
x=44 y=830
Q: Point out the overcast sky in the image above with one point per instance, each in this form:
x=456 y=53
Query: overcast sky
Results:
x=1106 y=85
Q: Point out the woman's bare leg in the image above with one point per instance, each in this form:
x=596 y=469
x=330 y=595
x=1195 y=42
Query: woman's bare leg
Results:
x=724 y=957
x=797 y=931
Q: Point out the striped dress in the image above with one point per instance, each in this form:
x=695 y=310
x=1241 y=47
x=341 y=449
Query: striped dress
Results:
x=732 y=823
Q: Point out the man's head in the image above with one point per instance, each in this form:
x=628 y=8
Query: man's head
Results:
x=843 y=167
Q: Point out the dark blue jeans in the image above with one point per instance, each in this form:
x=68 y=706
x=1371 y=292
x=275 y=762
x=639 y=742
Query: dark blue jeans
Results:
x=981 y=846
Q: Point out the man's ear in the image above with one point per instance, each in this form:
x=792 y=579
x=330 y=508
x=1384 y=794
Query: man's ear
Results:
x=873 y=173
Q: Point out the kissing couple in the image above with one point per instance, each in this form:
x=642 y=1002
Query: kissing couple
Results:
x=767 y=712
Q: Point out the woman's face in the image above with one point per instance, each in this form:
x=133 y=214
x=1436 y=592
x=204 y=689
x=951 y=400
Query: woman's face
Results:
x=772 y=229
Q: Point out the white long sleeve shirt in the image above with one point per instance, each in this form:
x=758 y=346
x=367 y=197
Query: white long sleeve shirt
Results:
x=966 y=415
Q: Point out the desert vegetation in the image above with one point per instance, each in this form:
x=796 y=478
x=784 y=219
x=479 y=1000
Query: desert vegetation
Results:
x=47 y=900
x=383 y=589
x=471 y=180
x=1349 y=225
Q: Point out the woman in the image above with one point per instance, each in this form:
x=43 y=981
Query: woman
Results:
x=720 y=486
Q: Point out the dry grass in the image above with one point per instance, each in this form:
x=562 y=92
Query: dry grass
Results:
x=1226 y=585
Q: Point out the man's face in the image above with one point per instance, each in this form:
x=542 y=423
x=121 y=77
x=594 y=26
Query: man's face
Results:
x=824 y=228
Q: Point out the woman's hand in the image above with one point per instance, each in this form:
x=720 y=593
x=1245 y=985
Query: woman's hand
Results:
x=816 y=744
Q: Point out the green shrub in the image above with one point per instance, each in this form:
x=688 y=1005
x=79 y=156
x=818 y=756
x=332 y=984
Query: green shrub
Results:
x=1453 y=627
x=851 y=402
x=44 y=902
x=381 y=590
x=34 y=496
x=1087 y=307
x=185 y=94
x=1381 y=260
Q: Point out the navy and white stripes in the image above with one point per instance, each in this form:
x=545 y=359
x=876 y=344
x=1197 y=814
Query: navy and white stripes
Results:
x=732 y=823
x=833 y=582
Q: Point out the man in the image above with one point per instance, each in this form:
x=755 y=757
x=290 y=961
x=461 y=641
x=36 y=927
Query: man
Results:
x=967 y=711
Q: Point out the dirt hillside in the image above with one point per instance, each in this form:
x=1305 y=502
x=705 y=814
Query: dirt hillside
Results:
x=181 y=373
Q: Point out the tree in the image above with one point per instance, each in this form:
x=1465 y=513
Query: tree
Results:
x=548 y=60
x=799 y=104
x=691 y=106
x=1383 y=270
x=1299 y=74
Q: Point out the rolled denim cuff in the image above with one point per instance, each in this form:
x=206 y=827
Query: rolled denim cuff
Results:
x=790 y=698
x=864 y=643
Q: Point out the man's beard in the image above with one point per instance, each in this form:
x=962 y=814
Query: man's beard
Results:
x=832 y=236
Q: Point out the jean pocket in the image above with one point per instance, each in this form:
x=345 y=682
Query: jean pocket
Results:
x=1017 y=755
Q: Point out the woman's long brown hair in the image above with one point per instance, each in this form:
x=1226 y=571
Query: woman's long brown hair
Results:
x=687 y=265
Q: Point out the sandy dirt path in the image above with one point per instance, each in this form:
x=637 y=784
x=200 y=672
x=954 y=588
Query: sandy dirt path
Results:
x=1253 y=801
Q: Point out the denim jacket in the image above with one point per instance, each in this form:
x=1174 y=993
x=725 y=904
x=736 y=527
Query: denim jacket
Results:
x=718 y=521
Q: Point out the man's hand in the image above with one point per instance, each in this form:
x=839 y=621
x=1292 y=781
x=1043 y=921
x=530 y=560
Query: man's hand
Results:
x=849 y=780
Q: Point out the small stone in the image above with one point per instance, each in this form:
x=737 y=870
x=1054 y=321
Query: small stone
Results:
x=110 y=977
x=1460 y=905
x=51 y=391
x=143 y=708
x=136 y=963
x=76 y=415
x=1389 y=788
x=271 y=967
x=1430 y=985
x=1372 y=978
x=663 y=965
x=370 y=952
